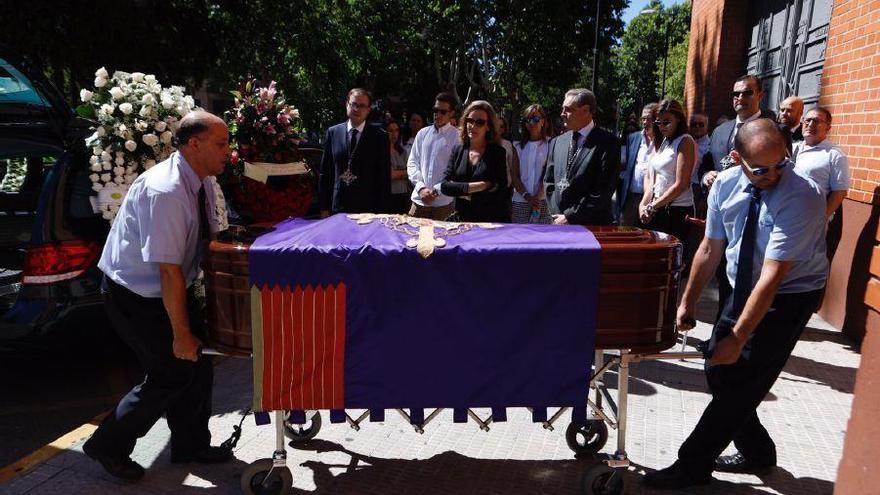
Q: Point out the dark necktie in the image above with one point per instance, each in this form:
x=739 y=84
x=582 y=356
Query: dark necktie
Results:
x=352 y=141
x=204 y=229
x=572 y=150
x=733 y=136
x=745 y=261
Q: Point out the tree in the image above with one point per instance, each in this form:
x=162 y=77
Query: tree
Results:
x=638 y=61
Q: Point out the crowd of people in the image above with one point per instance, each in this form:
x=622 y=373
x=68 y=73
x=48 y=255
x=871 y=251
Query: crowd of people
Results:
x=765 y=188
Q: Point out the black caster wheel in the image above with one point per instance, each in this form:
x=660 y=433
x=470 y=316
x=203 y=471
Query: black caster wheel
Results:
x=303 y=432
x=586 y=438
x=260 y=478
x=602 y=480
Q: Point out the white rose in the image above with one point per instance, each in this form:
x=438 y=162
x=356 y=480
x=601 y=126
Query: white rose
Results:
x=182 y=110
x=97 y=186
x=120 y=130
x=100 y=132
x=141 y=125
x=102 y=72
x=150 y=139
x=94 y=177
x=126 y=108
x=96 y=167
x=105 y=156
x=105 y=178
x=145 y=111
x=131 y=177
x=119 y=161
x=150 y=78
x=106 y=110
x=137 y=76
x=148 y=99
x=131 y=145
x=97 y=151
x=106 y=166
x=119 y=179
x=117 y=93
x=149 y=164
x=118 y=170
x=166 y=137
x=160 y=126
x=100 y=82
x=86 y=95
x=93 y=160
x=167 y=102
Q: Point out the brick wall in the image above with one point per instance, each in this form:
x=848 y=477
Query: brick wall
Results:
x=851 y=90
x=716 y=55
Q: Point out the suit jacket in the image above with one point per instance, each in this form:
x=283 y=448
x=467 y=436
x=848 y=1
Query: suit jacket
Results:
x=491 y=205
x=633 y=143
x=371 y=191
x=721 y=143
x=591 y=180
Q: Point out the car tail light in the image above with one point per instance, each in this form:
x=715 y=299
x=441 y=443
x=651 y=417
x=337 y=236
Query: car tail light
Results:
x=58 y=261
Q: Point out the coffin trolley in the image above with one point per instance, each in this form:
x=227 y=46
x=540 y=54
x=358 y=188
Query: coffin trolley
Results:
x=637 y=283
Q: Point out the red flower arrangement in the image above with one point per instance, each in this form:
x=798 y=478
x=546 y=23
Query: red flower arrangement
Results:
x=264 y=130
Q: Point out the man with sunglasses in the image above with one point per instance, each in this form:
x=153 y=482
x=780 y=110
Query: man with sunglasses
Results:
x=769 y=217
x=582 y=166
x=818 y=158
x=429 y=158
x=355 y=169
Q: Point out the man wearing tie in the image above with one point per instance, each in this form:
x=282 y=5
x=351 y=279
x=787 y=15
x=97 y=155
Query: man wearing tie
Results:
x=582 y=166
x=771 y=220
x=355 y=175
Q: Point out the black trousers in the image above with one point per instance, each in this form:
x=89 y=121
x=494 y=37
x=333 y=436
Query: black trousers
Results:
x=737 y=389
x=179 y=389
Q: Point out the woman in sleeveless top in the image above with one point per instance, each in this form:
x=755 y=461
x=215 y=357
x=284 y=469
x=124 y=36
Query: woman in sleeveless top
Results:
x=668 y=198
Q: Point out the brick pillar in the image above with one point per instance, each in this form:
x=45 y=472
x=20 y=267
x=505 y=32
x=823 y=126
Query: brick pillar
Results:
x=851 y=91
x=716 y=55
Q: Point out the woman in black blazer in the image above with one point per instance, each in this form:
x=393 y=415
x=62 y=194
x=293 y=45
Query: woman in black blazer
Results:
x=477 y=172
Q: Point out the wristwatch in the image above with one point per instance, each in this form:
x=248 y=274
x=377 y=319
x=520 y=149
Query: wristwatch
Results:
x=649 y=209
x=527 y=196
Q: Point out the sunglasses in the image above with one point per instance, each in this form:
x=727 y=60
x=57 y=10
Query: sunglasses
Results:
x=813 y=120
x=534 y=119
x=738 y=94
x=759 y=171
x=475 y=122
x=441 y=111
x=662 y=123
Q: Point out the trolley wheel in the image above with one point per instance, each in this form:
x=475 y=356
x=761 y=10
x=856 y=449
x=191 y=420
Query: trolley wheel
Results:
x=600 y=479
x=260 y=478
x=304 y=432
x=588 y=437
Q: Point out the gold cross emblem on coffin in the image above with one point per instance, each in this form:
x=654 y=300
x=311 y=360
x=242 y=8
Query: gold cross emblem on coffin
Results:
x=423 y=236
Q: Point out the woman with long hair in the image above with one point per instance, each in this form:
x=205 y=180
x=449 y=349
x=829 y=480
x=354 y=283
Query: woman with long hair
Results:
x=414 y=125
x=400 y=185
x=668 y=197
x=529 y=205
x=477 y=172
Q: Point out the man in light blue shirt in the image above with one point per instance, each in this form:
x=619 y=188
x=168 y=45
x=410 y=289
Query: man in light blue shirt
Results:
x=150 y=261
x=771 y=219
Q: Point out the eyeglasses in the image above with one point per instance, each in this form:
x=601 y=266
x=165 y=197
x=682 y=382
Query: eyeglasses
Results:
x=534 y=119
x=441 y=111
x=357 y=106
x=739 y=94
x=813 y=120
x=698 y=124
x=759 y=171
x=475 y=122
x=662 y=123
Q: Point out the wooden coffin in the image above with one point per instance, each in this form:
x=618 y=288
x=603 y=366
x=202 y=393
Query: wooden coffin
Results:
x=638 y=290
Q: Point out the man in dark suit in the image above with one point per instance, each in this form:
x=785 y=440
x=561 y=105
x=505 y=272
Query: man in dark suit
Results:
x=629 y=194
x=355 y=175
x=582 y=166
x=791 y=110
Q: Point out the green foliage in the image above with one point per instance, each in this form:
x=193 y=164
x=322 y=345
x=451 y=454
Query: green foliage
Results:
x=512 y=53
x=675 y=70
x=638 y=61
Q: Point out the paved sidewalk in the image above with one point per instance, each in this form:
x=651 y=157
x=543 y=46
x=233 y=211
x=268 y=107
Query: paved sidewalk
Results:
x=806 y=413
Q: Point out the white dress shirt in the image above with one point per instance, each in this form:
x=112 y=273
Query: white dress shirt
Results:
x=428 y=160
x=532 y=158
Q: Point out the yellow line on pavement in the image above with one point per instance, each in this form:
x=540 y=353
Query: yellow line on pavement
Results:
x=49 y=451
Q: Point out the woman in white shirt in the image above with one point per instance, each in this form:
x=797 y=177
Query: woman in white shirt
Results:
x=529 y=205
x=668 y=198
x=401 y=188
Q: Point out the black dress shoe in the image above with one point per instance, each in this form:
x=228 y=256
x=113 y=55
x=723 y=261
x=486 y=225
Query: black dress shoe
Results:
x=120 y=467
x=674 y=477
x=737 y=463
x=208 y=455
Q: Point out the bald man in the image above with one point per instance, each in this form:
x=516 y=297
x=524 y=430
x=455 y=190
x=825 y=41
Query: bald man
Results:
x=771 y=220
x=150 y=262
x=790 y=112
